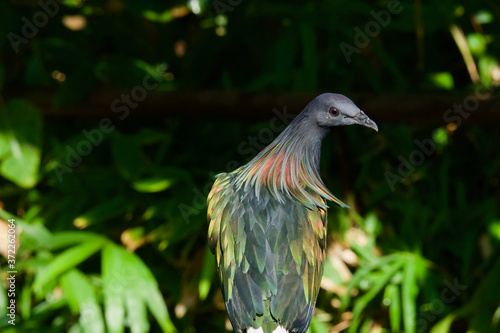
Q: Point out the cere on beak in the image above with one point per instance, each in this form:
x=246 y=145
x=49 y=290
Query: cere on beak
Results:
x=362 y=119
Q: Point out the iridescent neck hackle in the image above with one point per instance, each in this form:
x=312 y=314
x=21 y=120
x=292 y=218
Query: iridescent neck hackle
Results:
x=289 y=166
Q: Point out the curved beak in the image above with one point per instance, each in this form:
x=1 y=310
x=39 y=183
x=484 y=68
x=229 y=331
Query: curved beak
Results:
x=362 y=119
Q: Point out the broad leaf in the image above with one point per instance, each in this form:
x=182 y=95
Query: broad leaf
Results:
x=82 y=300
x=20 y=142
x=66 y=260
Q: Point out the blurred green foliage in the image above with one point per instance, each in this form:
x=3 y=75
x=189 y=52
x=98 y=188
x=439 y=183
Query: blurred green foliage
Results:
x=111 y=216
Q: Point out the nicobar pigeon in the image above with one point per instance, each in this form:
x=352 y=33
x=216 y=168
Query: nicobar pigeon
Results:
x=267 y=223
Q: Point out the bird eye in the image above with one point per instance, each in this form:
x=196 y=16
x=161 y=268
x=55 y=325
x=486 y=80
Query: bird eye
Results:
x=334 y=112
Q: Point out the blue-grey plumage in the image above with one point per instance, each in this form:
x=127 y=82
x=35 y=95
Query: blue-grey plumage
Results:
x=268 y=223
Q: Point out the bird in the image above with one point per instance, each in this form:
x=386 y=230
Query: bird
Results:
x=268 y=223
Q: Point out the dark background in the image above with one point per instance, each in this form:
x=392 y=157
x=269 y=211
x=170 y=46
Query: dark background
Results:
x=116 y=115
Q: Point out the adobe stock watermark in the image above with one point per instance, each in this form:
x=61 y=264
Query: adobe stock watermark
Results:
x=449 y=294
x=248 y=148
x=12 y=271
x=48 y=9
x=223 y=6
x=372 y=29
x=94 y=137
x=427 y=147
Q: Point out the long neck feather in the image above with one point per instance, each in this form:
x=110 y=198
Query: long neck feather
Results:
x=289 y=166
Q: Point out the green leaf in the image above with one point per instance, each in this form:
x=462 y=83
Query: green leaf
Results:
x=136 y=311
x=477 y=43
x=484 y=17
x=152 y=185
x=34 y=236
x=75 y=328
x=443 y=80
x=444 y=325
x=21 y=140
x=366 y=327
x=363 y=301
x=63 y=239
x=409 y=295
x=317 y=326
x=65 y=261
x=102 y=212
x=114 y=286
x=331 y=273
x=3 y=300
x=365 y=252
x=148 y=288
x=82 y=299
x=161 y=179
x=496 y=317
x=372 y=225
x=46 y=308
x=207 y=274
x=393 y=295
x=362 y=273
x=26 y=300
x=129 y=283
x=440 y=137
x=162 y=17
x=487 y=66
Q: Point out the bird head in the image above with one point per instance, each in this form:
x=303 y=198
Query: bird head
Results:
x=330 y=110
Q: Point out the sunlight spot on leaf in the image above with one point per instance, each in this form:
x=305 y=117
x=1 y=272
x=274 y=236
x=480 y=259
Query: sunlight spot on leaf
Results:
x=484 y=17
x=443 y=80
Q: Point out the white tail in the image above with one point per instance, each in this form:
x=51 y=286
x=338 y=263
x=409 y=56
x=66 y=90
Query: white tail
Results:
x=252 y=330
x=280 y=329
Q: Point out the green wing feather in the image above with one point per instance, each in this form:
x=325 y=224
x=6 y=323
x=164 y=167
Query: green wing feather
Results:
x=269 y=255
